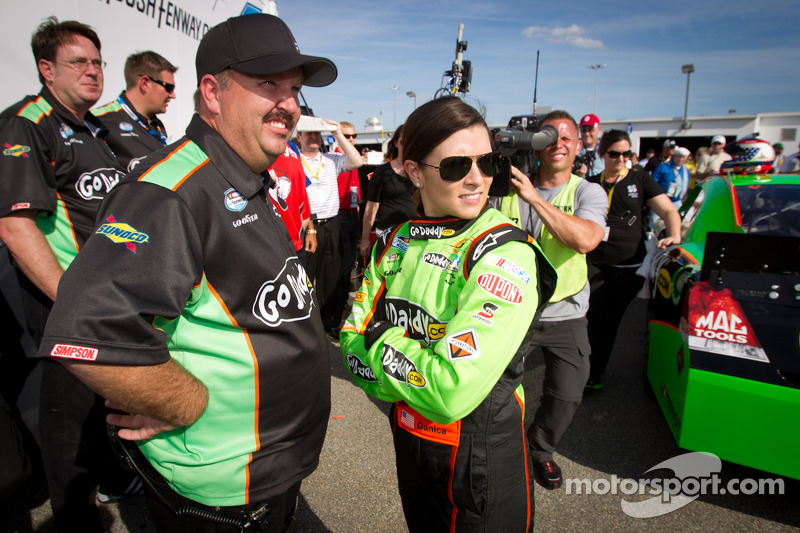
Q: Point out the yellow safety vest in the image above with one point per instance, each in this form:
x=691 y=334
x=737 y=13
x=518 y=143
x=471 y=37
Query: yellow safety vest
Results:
x=569 y=264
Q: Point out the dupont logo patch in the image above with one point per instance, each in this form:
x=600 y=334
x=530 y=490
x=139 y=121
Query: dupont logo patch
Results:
x=500 y=287
x=68 y=351
x=21 y=205
x=463 y=345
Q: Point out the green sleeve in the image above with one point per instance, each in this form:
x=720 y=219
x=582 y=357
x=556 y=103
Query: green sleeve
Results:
x=495 y=308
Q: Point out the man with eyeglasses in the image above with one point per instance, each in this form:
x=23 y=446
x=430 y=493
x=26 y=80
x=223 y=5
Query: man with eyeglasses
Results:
x=567 y=216
x=593 y=164
x=132 y=119
x=54 y=172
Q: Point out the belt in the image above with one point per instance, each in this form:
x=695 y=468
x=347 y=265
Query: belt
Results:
x=322 y=221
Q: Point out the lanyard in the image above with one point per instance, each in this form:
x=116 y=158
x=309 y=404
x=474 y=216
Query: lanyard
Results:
x=611 y=192
x=160 y=134
x=680 y=181
x=315 y=175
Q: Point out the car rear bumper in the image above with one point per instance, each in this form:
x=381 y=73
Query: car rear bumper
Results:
x=743 y=421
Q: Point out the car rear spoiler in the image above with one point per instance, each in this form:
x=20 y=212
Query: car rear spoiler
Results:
x=736 y=252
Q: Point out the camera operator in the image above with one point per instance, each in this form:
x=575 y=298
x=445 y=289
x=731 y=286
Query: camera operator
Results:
x=589 y=163
x=567 y=216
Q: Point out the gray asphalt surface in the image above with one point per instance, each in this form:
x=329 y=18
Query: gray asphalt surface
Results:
x=617 y=431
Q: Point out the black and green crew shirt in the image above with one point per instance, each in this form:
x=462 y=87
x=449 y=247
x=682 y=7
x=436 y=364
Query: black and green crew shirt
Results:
x=131 y=135
x=57 y=166
x=191 y=262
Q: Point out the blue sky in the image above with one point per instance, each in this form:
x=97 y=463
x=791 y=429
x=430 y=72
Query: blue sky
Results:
x=746 y=55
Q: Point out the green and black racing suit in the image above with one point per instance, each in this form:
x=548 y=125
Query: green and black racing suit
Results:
x=440 y=326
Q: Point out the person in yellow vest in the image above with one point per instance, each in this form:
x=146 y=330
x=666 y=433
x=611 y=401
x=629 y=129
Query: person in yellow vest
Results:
x=567 y=216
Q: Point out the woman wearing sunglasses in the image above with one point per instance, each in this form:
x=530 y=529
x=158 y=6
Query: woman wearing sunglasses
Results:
x=440 y=327
x=613 y=264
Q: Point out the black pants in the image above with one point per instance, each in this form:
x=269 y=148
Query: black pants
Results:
x=162 y=503
x=613 y=289
x=565 y=347
x=325 y=269
x=351 y=232
x=76 y=452
x=480 y=484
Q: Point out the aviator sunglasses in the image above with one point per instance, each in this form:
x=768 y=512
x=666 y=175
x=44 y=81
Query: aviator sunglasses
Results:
x=454 y=168
x=613 y=154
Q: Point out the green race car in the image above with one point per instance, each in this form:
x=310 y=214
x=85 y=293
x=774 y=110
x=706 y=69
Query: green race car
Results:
x=724 y=328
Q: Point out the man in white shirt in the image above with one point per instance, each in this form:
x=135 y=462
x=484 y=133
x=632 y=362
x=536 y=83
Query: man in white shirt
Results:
x=711 y=162
x=322 y=170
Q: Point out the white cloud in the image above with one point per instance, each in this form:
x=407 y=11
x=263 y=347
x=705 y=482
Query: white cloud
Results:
x=574 y=35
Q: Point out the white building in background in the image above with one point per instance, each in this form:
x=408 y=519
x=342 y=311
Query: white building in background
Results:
x=652 y=132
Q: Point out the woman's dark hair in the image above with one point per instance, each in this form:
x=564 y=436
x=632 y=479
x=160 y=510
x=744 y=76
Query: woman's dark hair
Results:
x=435 y=121
x=612 y=137
x=392 y=151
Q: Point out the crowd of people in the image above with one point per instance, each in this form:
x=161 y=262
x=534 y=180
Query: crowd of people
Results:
x=169 y=286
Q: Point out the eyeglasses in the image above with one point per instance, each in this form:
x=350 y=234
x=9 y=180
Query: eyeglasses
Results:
x=169 y=87
x=613 y=154
x=587 y=129
x=454 y=168
x=350 y=135
x=81 y=64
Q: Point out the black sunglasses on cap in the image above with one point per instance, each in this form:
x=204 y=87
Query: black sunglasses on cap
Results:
x=454 y=168
x=169 y=87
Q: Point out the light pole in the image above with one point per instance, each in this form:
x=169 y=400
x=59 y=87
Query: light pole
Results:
x=412 y=94
x=394 y=92
x=687 y=69
x=595 y=68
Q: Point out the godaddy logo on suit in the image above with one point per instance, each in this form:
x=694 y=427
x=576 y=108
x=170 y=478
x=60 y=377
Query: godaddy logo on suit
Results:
x=417 y=231
x=413 y=318
x=359 y=369
x=398 y=367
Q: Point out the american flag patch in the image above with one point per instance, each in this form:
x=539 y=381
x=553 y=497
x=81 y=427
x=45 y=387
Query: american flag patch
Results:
x=406 y=418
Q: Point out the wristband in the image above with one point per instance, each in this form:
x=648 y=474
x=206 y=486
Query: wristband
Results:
x=311 y=231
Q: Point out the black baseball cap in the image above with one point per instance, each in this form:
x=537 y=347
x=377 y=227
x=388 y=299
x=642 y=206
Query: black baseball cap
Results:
x=259 y=44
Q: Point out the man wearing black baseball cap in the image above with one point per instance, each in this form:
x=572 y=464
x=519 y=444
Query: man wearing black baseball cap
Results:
x=189 y=310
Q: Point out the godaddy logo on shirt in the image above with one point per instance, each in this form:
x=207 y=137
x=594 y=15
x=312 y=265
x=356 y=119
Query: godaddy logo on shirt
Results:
x=285 y=298
x=95 y=184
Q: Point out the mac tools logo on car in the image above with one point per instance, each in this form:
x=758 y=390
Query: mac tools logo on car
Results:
x=286 y=298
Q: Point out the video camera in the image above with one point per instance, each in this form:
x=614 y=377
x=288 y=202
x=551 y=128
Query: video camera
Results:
x=518 y=144
x=581 y=160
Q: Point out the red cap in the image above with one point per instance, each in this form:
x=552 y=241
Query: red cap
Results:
x=589 y=120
